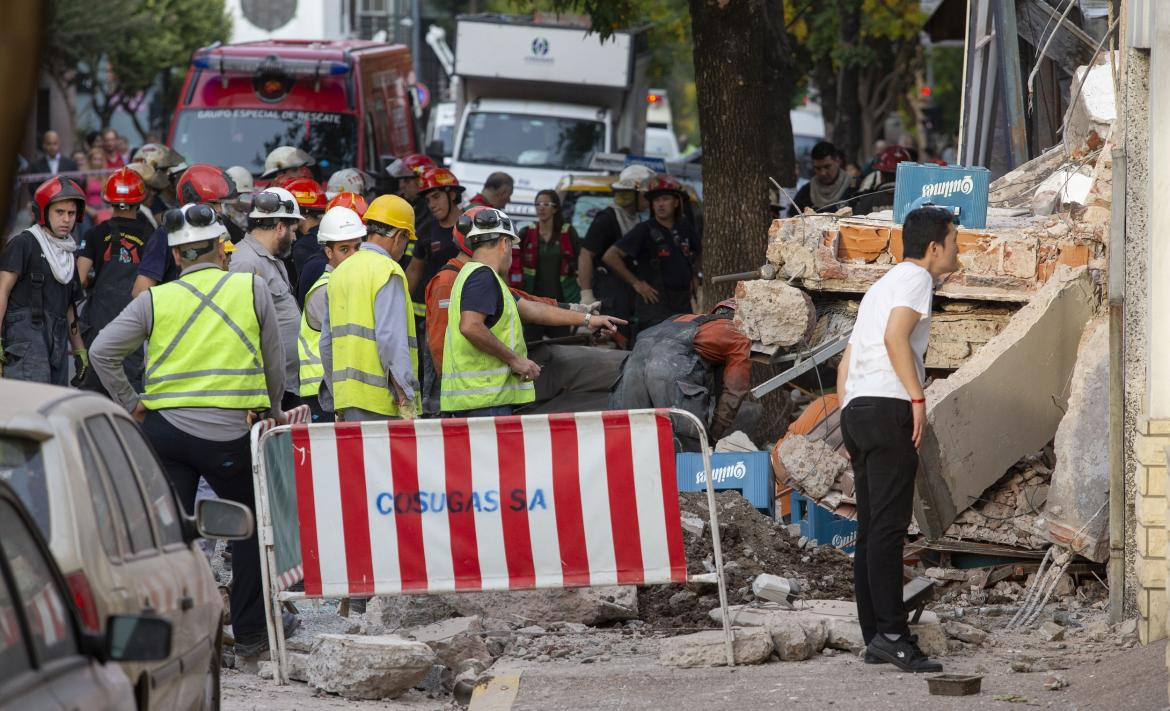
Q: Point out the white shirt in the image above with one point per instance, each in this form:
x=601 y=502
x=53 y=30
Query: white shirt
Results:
x=870 y=372
x=53 y=162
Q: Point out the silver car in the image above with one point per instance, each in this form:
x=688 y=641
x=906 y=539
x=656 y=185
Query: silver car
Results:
x=97 y=492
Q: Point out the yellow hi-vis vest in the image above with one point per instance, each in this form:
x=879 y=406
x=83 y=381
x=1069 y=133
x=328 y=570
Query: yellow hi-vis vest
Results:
x=358 y=377
x=309 y=347
x=204 y=344
x=473 y=379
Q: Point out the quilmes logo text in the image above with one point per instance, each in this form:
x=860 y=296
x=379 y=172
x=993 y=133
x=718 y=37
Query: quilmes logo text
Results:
x=946 y=188
x=720 y=474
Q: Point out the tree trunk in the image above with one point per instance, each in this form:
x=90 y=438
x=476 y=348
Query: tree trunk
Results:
x=747 y=132
x=847 y=128
x=826 y=82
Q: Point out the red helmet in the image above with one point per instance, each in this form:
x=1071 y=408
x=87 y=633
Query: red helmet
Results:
x=353 y=201
x=202 y=183
x=887 y=161
x=417 y=162
x=663 y=183
x=307 y=191
x=124 y=187
x=463 y=226
x=435 y=178
x=53 y=190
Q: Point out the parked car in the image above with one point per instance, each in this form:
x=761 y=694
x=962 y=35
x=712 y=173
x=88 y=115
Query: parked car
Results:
x=47 y=661
x=95 y=488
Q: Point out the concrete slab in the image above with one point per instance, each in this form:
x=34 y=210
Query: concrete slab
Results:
x=1003 y=403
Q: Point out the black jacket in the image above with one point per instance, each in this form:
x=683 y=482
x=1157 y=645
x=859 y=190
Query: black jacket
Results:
x=41 y=165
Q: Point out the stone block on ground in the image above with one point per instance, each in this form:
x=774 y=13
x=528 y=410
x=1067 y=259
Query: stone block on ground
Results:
x=454 y=640
x=811 y=464
x=752 y=645
x=964 y=632
x=386 y=614
x=590 y=606
x=774 y=313
x=298 y=666
x=374 y=667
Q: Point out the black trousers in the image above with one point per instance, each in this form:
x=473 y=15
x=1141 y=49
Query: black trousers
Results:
x=878 y=433
x=227 y=467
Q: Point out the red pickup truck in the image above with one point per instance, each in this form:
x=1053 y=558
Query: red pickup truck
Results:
x=348 y=103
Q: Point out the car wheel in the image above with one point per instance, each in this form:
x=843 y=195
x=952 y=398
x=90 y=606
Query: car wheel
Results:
x=211 y=690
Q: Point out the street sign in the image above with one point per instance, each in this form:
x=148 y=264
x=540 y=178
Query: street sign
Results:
x=422 y=95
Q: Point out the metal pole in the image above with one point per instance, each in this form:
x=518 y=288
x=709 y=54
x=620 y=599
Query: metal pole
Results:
x=1117 y=390
x=416 y=37
x=268 y=559
x=728 y=638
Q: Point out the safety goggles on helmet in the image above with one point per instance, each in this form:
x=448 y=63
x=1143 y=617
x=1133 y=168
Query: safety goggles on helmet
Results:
x=196 y=216
x=492 y=220
x=270 y=202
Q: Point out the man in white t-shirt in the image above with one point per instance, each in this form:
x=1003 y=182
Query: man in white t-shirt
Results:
x=880 y=384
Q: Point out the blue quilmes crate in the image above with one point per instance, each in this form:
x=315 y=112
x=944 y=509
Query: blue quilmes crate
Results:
x=826 y=527
x=748 y=472
x=949 y=185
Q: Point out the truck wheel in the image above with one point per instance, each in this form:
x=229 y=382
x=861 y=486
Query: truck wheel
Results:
x=211 y=690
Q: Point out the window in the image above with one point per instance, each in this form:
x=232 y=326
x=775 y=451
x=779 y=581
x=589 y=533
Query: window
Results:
x=23 y=467
x=125 y=484
x=104 y=514
x=13 y=654
x=45 y=608
x=158 y=488
x=531 y=141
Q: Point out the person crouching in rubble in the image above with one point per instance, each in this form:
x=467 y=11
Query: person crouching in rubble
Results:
x=880 y=385
x=674 y=364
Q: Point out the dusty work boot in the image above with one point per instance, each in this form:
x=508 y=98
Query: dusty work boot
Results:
x=902 y=653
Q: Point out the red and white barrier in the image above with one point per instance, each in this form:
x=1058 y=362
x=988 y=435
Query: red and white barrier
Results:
x=450 y=505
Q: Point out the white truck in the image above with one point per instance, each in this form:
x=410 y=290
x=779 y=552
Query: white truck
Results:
x=537 y=99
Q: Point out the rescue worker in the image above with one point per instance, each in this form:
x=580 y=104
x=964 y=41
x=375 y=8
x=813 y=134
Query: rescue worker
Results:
x=497 y=191
x=876 y=192
x=237 y=210
x=404 y=173
x=340 y=235
x=546 y=260
x=201 y=183
x=213 y=358
x=680 y=362
x=168 y=166
x=666 y=250
x=287 y=161
x=113 y=250
x=369 y=349
x=486 y=368
x=442 y=192
x=272 y=223
x=311 y=198
x=347 y=180
x=608 y=226
x=39 y=290
x=144 y=213
x=315 y=264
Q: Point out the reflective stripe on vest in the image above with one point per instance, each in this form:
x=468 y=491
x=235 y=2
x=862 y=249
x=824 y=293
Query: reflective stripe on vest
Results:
x=358 y=378
x=204 y=346
x=471 y=378
x=309 y=347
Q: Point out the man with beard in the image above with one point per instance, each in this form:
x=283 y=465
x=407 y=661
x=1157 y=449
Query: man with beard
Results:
x=831 y=186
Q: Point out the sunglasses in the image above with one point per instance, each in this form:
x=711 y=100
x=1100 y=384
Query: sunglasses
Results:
x=196 y=216
x=271 y=202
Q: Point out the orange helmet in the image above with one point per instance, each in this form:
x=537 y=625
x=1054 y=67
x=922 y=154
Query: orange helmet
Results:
x=203 y=183
x=124 y=187
x=663 y=183
x=353 y=201
x=463 y=225
x=436 y=178
x=307 y=191
x=53 y=190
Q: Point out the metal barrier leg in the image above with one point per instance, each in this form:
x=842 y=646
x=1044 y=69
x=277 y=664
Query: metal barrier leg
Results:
x=728 y=637
x=267 y=559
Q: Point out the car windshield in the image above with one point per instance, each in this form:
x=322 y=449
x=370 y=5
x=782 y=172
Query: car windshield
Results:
x=240 y=136
x=529 y=141
x=23 y=468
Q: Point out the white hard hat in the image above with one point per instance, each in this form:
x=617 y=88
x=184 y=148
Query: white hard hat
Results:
x=242 y=179
x=399 y=169
x=281 y=204
x=346 y=180
x=340 y=224
x=193 y=223
x=285 y=158
x=632 y=177
x=489 y=221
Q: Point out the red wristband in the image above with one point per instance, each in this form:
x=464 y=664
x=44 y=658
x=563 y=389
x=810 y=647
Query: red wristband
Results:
x=917 y=402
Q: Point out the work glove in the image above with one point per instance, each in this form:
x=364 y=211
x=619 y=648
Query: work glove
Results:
x=586 y=307
x=587 y=296
x=81 y=365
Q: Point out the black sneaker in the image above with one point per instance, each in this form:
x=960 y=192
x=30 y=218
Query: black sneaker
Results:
x=871 y=659
x=256 y=643
x=904 y=654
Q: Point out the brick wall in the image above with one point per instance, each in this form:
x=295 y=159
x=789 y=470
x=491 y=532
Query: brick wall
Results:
x=1150 y=444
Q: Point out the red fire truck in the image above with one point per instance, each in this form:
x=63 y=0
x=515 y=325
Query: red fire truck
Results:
x=348 y=103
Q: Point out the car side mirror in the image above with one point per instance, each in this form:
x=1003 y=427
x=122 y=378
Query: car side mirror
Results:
x=134 y=638
x=217 y=518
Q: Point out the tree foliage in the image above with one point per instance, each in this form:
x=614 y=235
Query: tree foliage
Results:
x=119 y=50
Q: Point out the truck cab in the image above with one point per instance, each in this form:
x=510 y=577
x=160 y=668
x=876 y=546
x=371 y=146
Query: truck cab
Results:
x=538 y=98
x=348 y=103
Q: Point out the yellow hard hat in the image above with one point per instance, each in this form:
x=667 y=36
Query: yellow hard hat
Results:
x=393 y=211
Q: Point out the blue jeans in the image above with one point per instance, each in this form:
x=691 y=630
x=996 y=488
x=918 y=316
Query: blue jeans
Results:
x=495 y=411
